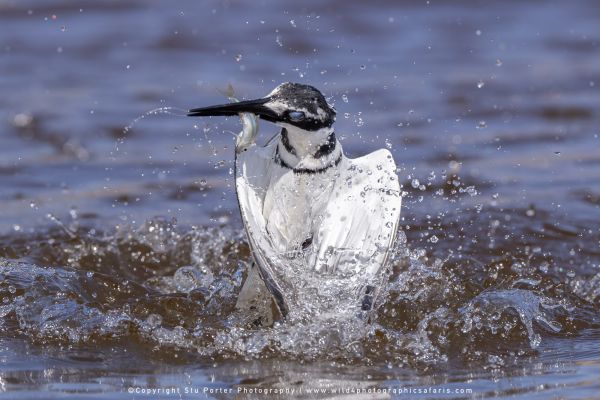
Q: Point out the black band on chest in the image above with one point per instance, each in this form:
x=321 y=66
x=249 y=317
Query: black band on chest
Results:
x=283 y=164
x=318 y=170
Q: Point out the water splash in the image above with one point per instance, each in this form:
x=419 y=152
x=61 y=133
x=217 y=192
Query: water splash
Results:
x=176 y=289
x=59 y=223
x=175 y=111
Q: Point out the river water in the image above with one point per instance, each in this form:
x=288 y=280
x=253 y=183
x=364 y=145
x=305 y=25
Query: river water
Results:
x=122 y=251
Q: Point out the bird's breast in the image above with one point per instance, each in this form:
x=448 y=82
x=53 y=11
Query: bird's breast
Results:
x=293 y=205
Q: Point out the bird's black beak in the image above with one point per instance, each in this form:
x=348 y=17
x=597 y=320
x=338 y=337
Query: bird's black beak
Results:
x=249 y=106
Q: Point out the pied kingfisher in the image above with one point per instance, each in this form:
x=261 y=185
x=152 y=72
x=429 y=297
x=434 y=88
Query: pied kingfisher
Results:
x=320 y=225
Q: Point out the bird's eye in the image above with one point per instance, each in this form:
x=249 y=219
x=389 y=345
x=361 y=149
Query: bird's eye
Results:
x=296 y=116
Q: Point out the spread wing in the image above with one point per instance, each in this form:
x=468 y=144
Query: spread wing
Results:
x=359 y=223
x=252 y=179
x=355 y=231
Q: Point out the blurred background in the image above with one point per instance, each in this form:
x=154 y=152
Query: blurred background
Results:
x=502 y=94
x=121 y=248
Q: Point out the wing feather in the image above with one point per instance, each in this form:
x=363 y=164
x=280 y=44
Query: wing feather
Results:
x=252 y=179
x=354 y=231
x=360 y=221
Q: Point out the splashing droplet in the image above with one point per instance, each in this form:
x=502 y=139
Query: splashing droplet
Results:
x=160 y=110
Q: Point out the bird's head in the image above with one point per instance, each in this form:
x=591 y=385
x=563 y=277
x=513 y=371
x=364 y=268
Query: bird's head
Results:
x=291 y=105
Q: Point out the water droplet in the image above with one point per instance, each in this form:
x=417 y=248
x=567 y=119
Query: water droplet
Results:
x=22 y=120
x=238 y=57
x=293 y=23
x=480 y=84
x=498 y=62
x=478 y=32
x=219 y=164
x=154 y=320
x=187 y=279
x=433 y=239
x=344 y=98
x=481 y=125
x=471 y=191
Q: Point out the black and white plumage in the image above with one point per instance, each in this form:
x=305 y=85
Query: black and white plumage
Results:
x=320 y=225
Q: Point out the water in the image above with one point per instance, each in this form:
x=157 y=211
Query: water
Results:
x=122 y=251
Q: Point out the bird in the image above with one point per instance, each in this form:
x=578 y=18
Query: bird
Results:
x=320 y=226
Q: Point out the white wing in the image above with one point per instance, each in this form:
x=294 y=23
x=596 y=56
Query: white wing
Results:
x=252 y=179
x=359 y=223
x=353 y=231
